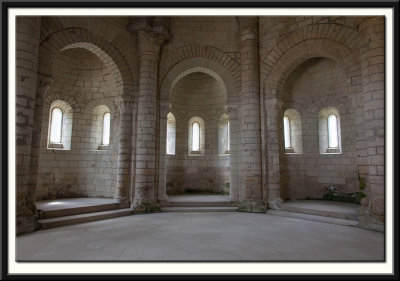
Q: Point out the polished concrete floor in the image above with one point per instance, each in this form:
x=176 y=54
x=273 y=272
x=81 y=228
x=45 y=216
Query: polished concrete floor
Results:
x=202 y=237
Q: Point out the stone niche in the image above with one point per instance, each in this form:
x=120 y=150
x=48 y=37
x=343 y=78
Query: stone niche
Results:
x=198 y=97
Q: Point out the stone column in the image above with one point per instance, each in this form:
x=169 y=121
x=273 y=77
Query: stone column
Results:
x=27 y=52
x=44 y=82
x=251 y=173
x=234 y=157
x=149 y=45
x=126 y=104
x=272 y=108
x=162 y=180
x=372 y=55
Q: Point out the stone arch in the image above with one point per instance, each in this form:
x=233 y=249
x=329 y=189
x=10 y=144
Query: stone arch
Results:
x=51 y=97
x=107 y=102
x=328 y=31
x=303 y=51
x=75 y=37
x=202 y=64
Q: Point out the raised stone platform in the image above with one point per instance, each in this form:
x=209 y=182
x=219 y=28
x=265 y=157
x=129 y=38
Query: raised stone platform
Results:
x=320 y=210
x=59 y=212
x=199 y=203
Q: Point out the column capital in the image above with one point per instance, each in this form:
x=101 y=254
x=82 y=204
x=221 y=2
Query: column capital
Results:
x=149 y=43
x=152 y=33
x=248 y=27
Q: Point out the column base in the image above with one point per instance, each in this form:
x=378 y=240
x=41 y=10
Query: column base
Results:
x=252 y=206
x=145 y=208
x=275 y=203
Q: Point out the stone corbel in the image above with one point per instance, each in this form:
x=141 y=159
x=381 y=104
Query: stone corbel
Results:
x=232 y=111
x=165 y=108
x=45 y=81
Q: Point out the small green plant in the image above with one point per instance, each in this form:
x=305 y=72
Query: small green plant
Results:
x=362 y=182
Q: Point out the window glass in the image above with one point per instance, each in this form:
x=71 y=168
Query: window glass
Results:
x=106 y=128
x=195 y=136
x=56 y=125
x=228 y=137
x=286 y=128
x=171 y=128
x=332 y=132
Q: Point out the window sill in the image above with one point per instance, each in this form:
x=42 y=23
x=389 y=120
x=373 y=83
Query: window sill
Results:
x=55 y=146
x=333 y=151
x=195 y=153
x=103 y=147
x=289 y=150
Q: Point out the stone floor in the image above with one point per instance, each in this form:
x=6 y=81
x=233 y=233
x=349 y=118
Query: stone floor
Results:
x=202 y=237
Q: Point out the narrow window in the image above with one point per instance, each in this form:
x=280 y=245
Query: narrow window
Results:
x=195 y=136
x=228 y=137
x=171 y=131
x=332 y=132
x=56 y=125
x=286 y=128
x=106 y=128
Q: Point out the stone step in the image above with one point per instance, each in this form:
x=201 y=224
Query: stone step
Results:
x=81 y=218
x=200 y=204
x=198 y=209
x=309 y=217
x=48 y=214
x=318 y=212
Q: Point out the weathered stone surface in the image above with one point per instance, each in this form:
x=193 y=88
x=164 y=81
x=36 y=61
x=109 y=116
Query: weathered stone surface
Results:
x=252 y=71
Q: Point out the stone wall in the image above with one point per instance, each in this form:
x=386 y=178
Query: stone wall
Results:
x=315 y=85
x=247 y=69
x=84 y=169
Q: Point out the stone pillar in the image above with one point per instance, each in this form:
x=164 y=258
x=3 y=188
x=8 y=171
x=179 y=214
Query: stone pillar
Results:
x=272 y=108
x=149 y=46
x=251 y=174
x=162 y=180
x=372 y=55
x=44 y=82
x=27 y=52
x=126 y=104
x=234 y=157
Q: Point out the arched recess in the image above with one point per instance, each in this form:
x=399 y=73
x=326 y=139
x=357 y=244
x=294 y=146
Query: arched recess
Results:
x=326 y=31
x=275 y=99
x=110 y=55
x=204 y=65
x=303 y=51
x=85 y=38
x=220 y=73
x=207 y=53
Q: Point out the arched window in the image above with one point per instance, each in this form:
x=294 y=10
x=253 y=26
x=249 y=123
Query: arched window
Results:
x=56 y=119
x=329 y=130
x=332 y=132
x=286 y=129
x=106 y=128
x=228 y=137
x=195 y=136
x=171 y=133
